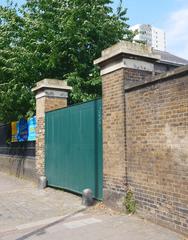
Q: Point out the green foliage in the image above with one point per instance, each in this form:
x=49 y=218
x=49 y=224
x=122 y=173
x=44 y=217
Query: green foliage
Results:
x=54 y=39
x=129 y=202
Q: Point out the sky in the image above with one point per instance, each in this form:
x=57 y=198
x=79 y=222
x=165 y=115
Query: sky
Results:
x=169 y=15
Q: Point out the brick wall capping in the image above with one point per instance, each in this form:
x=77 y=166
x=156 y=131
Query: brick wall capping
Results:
x=128 y=49
x=176 y=73
x=54 y=84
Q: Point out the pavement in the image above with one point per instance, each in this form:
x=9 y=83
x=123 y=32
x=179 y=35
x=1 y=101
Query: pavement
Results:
x=22 y=203
x=27 y=213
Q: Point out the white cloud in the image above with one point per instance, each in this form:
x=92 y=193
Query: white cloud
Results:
x=177 y=32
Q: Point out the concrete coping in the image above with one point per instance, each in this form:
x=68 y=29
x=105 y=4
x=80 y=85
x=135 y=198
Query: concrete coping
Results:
x=128 y=48
x=51 y=84
x=176 y=73
x=179 y=71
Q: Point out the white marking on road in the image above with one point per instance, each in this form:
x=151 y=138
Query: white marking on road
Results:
x=81 y=223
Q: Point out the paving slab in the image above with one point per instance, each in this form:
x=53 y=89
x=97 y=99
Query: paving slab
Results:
x=21 y=203
x=97 y=227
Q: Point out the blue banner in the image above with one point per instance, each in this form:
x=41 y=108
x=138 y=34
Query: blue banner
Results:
x=32 y=129
x=24 y=130
x=22 y=135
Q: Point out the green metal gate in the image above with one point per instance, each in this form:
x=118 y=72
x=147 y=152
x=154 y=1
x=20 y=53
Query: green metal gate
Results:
x=74 y=148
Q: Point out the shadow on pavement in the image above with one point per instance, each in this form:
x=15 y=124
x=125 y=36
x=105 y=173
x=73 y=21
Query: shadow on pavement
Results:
x=41 y=230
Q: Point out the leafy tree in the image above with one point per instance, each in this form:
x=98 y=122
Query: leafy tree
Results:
x=54 y=39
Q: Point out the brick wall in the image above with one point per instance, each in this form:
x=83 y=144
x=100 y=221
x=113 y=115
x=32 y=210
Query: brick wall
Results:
x=54 y=103
x=145 y=126
x=114 y=134
x=157 y=150
x=44 y=104
x=134 y=77
x=114 y=164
